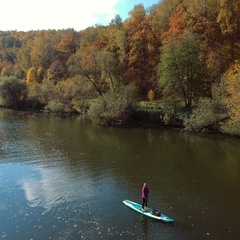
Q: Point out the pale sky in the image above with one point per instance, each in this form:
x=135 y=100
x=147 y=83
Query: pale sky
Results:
x=26 y=15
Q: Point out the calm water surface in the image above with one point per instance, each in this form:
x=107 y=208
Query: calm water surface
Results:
x=63 y=178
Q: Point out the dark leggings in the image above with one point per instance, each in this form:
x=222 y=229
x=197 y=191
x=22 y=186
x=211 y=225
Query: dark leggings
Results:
x=144 y=202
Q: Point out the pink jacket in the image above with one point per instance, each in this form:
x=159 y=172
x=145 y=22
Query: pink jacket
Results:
x=145 y=192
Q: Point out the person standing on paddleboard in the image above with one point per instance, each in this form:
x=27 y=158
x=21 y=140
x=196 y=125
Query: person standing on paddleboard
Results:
x=145 y=192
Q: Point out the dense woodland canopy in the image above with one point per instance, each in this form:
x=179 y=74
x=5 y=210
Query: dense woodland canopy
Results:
x=179 y=55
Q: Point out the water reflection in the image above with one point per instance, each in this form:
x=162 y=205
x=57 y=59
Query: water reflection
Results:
x=48 y=187
x=47 y=190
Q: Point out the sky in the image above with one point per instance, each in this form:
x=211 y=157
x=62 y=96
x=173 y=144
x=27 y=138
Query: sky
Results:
x=27 y=15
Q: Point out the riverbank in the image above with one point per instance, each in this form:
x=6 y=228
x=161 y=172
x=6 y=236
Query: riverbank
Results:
x=146 y=116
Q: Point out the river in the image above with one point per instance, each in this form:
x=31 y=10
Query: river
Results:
x=66 y=178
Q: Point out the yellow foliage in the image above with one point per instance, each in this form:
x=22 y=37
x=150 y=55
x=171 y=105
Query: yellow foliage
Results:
x=151 y=95
x=32 y=77
x=232 y=99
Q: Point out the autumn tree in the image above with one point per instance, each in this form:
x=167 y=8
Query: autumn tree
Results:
x=57 y=70
x=117 y=46
x=231 y=82
x=35 y=75
x=163 y=12
x=89 y=36
x=151 y=95
x=202 y=20
x=141 y=65
x=202 y=8
x=43 y=49
x=229 y=21
x=67 y=45
x=177 y=24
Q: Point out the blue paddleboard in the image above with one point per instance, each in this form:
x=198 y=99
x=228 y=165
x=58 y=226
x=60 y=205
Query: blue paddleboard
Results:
x=148 y=212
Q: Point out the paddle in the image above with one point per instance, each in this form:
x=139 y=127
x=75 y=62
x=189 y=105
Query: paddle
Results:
x=141 y=218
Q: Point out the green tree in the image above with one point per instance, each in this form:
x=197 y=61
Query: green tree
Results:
x=13 y=91
x=180 y=71
x=108 y=64
x=44 y=92
x=85 y=64
x=10 y=46
x=24 y=58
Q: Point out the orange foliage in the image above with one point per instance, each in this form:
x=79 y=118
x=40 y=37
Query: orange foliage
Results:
x=177 y=23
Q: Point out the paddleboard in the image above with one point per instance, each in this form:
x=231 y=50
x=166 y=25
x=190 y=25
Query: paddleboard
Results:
x=148 y=212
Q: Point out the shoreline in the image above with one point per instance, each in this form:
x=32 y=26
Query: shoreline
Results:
x=138 y=123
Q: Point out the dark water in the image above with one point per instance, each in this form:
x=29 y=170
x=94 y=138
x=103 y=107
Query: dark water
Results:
x=63 y=178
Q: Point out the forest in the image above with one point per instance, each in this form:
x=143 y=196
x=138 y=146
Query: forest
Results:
x=178 y=60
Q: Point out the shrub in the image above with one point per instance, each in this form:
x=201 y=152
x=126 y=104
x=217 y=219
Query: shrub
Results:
x=113 y=108
x=56 y=106
x=64 y=97
x=13 y=91
x=232 y=128
x=208 y=115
